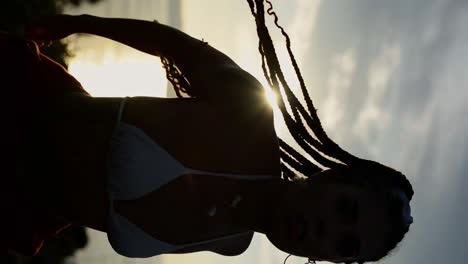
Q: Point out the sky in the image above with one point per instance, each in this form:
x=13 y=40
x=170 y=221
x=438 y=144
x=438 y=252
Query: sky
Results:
x=388 y=78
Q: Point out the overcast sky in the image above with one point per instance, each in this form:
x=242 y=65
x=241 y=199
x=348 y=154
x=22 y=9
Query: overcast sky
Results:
x=403 y=102
x=389 y=79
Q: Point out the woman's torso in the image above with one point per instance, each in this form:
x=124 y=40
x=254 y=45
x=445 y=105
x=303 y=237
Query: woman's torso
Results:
x=191 y=130
x=199 y=137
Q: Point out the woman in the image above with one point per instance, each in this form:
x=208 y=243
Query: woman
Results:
x=201 y=173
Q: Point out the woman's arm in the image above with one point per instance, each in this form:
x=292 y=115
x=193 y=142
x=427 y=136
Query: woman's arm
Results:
x=214 y=74
x=154 y=38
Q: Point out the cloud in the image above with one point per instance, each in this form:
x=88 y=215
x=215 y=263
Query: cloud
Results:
x=372 y=118
x=303 y=25
x=339 y=81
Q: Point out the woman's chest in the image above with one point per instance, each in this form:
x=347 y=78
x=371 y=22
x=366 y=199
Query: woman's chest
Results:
x=202 y=138
x=189 y=209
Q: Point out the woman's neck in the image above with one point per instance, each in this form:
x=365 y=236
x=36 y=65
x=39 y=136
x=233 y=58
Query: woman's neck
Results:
x=257 y=205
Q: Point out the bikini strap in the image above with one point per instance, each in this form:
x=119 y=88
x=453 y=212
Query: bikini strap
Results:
x=120 y=111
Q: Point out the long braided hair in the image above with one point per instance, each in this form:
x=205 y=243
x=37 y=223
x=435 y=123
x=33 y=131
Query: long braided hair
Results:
x=300 y=120
x=319 y=146
x=305 y=127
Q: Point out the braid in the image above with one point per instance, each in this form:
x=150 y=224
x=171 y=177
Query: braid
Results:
x=312 y=111
x=182 y=86
x=308 y=166
x=319 y=146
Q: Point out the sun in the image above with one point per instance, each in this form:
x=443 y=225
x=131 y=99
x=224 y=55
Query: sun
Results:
x=271 y=97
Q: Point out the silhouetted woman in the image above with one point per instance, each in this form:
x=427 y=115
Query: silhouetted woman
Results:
x=201 y=173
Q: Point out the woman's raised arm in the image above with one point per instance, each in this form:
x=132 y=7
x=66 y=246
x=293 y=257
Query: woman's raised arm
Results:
x=212 y=72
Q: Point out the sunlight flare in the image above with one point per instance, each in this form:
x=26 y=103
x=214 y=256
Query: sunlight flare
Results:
x=271 y=97
x=127 y=75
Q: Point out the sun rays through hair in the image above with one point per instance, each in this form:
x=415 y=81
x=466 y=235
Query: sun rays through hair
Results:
x=301 y=121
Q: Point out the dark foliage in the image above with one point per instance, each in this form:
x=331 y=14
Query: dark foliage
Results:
x=14 y=14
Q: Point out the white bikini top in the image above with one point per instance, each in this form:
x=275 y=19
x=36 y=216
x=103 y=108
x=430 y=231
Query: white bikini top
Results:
x=137 y=166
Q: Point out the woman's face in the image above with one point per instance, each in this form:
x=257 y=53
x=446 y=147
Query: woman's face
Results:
x=330 y=220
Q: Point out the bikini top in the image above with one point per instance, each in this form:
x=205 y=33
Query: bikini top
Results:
x=137 y=166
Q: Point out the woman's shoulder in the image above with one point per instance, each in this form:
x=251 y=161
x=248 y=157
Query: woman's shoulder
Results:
x=239 y=90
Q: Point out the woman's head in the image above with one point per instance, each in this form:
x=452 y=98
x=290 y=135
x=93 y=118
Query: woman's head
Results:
x=344 y=215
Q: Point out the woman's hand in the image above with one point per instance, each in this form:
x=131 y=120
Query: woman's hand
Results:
x=50 y=28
